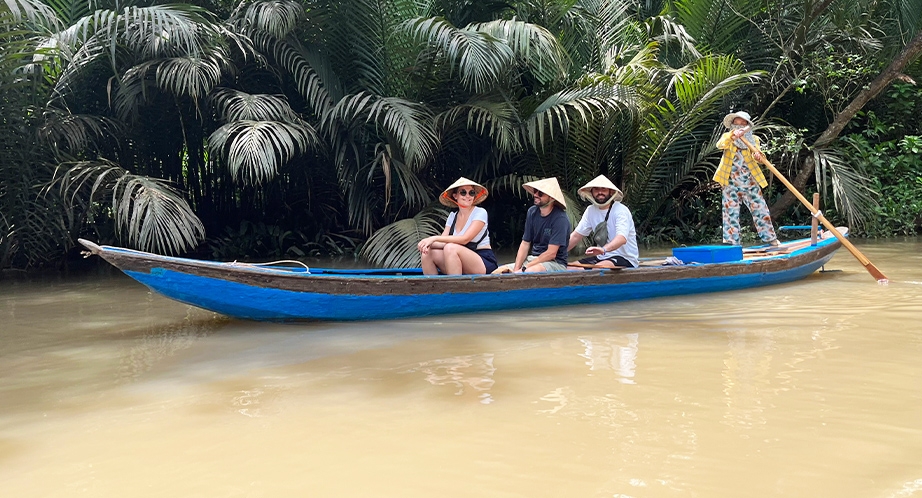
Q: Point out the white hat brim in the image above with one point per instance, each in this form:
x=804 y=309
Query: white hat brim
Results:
x=728 y=119
x=446 y=200
x=600 y=181
x=550 y=187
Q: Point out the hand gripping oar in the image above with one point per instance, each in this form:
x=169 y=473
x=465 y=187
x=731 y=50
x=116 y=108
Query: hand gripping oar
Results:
x=881 y=278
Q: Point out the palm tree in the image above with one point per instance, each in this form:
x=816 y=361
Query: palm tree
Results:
x=33 y=229
x=505 y=102
x=348 y=116
x=800 y=46
x=625 y=113
x=173 y=48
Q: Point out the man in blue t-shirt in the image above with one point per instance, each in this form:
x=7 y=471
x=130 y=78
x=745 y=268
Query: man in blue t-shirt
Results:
x=547 y=231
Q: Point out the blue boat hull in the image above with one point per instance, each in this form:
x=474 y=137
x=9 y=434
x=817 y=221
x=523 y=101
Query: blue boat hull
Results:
x=286 y=294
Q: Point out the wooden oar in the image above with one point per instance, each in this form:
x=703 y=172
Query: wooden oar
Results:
x=877 y=274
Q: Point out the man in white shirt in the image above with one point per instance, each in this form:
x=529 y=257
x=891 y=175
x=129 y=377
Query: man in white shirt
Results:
x=609 y=226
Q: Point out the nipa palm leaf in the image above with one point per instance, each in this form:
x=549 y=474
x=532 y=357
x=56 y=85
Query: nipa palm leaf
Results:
x=394 y=246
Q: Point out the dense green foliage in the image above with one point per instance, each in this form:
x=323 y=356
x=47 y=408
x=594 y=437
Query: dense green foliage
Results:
x=887 y=142
x=289 y=128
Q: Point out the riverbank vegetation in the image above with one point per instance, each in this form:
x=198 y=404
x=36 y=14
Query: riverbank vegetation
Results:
x=292 y=128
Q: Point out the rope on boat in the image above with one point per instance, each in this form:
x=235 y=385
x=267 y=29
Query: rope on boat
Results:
x=293 y=261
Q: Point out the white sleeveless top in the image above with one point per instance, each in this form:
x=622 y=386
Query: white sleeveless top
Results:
x=478 y=214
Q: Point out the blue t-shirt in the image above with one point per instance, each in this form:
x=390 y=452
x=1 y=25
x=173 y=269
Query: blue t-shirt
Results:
x=542 y=231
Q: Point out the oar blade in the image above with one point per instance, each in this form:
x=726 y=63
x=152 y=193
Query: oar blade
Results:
x=879 y=275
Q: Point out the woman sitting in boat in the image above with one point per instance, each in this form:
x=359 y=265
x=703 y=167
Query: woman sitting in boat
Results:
x=464 y=246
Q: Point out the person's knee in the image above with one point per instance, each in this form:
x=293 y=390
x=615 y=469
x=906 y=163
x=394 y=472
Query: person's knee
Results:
x=452 y=249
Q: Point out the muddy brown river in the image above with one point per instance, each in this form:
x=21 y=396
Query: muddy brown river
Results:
x=798 y=390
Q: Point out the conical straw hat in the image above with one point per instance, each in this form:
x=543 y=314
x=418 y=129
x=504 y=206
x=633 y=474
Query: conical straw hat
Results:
x=728 y=119
x=447 y=200
x=550 y=187
x=600 y=182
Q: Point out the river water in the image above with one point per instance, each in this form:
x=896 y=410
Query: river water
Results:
x=799 y=390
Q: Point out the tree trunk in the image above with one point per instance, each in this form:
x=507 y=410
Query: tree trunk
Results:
x=908 y=55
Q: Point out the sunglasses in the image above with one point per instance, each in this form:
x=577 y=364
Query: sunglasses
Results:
x=465 y=193
x=538 y=193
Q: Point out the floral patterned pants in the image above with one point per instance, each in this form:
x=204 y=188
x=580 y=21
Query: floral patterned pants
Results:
x=743 y=189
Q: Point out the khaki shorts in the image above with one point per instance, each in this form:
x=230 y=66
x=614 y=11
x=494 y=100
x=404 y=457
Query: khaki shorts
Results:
x=548 y=265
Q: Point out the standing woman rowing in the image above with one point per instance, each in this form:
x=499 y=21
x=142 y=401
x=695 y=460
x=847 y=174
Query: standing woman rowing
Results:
x=464 y=246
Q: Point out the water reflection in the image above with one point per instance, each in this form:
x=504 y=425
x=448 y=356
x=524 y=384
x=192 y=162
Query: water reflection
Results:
x=909 y=489
x=469 y=371
x=617 y=353
x=65 y=343
x=258 y=402
x=747 y=373
x=158 y=342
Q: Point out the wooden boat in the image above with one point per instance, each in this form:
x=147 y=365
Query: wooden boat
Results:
x=284 y=293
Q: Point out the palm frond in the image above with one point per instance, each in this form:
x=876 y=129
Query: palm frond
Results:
x=909 y=18
x=191 y=76
x=234 y=105
x=580 y=106
x=372 y=47
x=496 y=120
x=180 y=76
x=662 y=151
x=68 y=11
x=634 y=66
x=154 y=31
x=276 y=17
x=599 y=149
x=151 y=214
x=160 y=30
x=407 y=124
x=480 y=58
x=361 y=199
x=670 y=35
x=412 y=190
x=394 y=246
x=719 y=25
x=75 y=132
x=308 y=81
x=706 y=80
x=34 y=11
x=595 y=29
x=154 y=216
x=255 y=150
x=81 y=57
x=851 y=192
x=534 y=45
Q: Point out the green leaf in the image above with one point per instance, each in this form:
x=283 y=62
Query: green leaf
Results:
x=394 y=246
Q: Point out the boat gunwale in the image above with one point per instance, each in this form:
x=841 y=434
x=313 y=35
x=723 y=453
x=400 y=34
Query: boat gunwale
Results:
x=129 y=260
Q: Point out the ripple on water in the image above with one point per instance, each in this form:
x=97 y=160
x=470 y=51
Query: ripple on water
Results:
x=910 y=489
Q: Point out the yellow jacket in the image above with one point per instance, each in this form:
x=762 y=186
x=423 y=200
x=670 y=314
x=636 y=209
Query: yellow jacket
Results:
x=722 y=176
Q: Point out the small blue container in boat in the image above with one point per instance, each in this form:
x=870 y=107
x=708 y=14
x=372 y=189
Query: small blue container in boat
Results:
x=708 y=254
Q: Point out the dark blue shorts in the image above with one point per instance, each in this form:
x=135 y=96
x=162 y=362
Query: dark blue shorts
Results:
x=489 y=259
